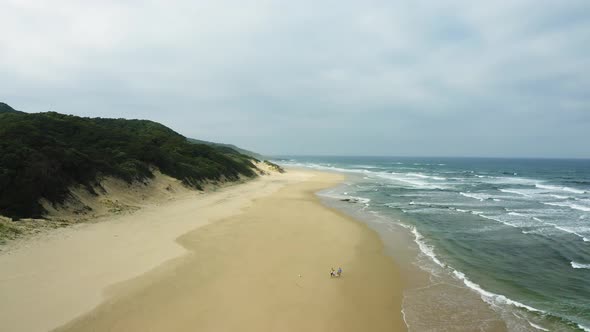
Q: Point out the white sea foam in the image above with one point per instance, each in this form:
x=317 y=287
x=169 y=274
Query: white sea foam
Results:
x=424 y=248
x=499 y=220
x=364 y=166
x=569 y=205
x=577 y=265
x=488 y=297
x=514 y=191
x=424 y=176
x=479 y=197
x=580 y=207
x=516 y=214
x=510 y=180
x=345 y=195
x=556 y=188
x=412 y=181
x=570 y=231
x=558 y=196
x=492 y=298
x=363 y=200
x=537 y=326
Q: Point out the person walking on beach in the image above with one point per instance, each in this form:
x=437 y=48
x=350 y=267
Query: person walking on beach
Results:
x=339 y=273
x=332 y=273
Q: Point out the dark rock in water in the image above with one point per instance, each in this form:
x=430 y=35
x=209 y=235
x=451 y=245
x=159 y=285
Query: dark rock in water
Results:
x=350 y=200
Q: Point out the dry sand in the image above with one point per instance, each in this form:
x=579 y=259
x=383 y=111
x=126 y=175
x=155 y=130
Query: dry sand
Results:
x=253 y=257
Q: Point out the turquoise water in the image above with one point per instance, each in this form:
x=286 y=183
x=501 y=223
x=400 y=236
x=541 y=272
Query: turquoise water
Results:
x=514 y=232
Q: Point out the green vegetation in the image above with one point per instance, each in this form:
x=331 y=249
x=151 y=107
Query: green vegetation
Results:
x=4 y=108
x=8 y=231
x=42 y=155
x=228 y=147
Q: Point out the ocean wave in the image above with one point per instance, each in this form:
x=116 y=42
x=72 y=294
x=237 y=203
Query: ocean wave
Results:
x=479 y=197
x=499 y=220
x=512 y=213
x=365 y=166
x=577 y=265
x=557 y=188
x=514 y=191
x=569 y=205
x=510 y=180
x=492 y=298
x=569 y=231
x=497 y=300
x=537 y=326
x=413 y=182
x=424 y=248
x=424 y=176
x=531 y=232
x=559 y=196
x=326 y=167
x=563 y=229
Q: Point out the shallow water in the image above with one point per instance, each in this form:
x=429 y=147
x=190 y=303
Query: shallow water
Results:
x=506 y=243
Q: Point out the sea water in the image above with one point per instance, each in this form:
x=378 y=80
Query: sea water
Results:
x=502 y=239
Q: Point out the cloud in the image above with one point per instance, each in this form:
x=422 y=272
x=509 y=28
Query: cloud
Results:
x=305 y=76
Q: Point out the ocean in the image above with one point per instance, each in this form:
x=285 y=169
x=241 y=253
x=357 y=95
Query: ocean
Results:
x=505 y=243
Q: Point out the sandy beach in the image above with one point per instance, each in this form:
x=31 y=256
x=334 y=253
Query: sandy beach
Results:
x=250 y=257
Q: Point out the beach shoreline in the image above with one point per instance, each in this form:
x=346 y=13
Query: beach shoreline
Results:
x=284 y=285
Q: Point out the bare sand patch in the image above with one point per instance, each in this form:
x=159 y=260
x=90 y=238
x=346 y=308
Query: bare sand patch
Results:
x=265 y=269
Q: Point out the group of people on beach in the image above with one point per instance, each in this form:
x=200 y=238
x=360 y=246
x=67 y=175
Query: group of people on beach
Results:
x=334 y=273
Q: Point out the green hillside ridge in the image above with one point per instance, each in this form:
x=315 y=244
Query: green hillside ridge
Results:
x=43 y=154
x=229 y=146
x=5 y=108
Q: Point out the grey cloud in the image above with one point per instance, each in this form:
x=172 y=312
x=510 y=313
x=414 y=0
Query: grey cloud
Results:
x=504 y=78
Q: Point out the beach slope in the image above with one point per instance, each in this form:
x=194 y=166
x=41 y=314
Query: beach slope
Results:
x=263 y=266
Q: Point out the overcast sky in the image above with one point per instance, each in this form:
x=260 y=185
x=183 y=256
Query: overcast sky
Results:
x=418 y=78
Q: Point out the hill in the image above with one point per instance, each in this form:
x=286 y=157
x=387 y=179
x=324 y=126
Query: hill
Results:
x=228 y=146
x=5 y=108
x=42 y=155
